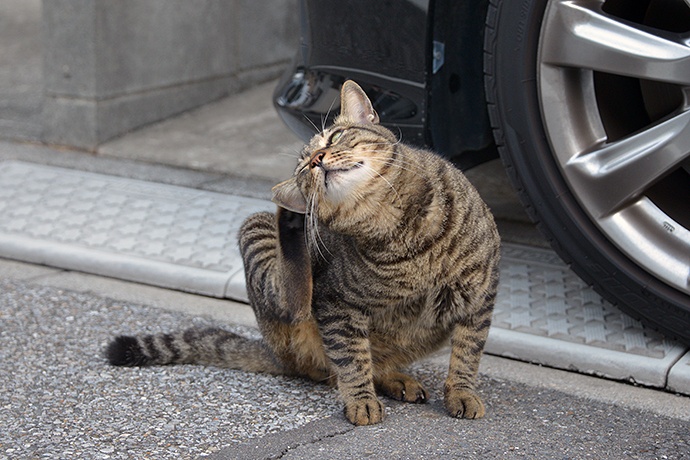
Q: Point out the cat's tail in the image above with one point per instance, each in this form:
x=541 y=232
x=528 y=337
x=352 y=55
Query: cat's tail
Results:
x=210 y=346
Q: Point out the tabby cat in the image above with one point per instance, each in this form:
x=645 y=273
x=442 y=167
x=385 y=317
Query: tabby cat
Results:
x=378 y=253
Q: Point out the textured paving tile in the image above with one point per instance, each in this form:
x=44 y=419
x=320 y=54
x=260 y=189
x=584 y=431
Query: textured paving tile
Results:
x=136 y=230
x=547 y=314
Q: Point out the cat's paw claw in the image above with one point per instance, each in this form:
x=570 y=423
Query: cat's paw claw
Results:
x=464 y=404
x=364 y=411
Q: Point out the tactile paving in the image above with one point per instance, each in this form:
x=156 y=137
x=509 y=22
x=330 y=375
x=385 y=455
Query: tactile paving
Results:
x=546 y=314
x=186 y=239
x=136 y=230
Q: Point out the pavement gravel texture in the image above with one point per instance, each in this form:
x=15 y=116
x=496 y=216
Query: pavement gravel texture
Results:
x=520 y=424
x=60 y=399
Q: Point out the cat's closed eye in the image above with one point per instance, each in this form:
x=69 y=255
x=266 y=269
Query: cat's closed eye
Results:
x=335 y=137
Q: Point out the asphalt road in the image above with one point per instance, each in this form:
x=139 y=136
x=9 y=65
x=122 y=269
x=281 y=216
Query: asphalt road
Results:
x=60 y=399
x=522 y=422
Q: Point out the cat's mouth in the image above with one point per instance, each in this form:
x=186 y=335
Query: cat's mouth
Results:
x=334 y=176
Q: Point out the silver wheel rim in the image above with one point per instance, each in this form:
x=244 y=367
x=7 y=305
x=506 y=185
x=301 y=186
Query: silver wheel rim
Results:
x=616 y=181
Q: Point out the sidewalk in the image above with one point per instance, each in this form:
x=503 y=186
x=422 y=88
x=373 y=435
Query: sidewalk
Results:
x=221 y=160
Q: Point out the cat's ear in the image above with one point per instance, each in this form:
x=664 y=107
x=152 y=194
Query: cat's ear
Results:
x=288 y=195
x=355 y=105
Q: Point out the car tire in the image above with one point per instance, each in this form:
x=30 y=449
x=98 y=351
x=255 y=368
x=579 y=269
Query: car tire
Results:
x=541 y=143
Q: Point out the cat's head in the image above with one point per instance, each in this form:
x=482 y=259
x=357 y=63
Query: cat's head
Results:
x=343 y=170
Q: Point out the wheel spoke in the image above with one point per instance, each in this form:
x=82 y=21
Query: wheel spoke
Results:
x=581 y=35
x=614 y=175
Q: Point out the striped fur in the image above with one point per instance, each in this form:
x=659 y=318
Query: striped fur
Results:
x=378 y=254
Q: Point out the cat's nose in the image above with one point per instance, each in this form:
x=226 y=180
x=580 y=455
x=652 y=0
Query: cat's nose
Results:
x=316 y=158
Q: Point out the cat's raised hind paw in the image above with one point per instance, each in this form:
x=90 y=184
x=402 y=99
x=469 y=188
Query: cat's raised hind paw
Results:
x=401 y=387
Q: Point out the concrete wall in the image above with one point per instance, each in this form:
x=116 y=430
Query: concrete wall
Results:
x=111 y=66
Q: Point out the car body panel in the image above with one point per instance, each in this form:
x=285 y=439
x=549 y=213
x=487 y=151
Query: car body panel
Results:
x=389 y=49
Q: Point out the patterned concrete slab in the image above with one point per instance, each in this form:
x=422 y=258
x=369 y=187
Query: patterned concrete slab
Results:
x=185 y=239
x=546 y=314
x=154 y=233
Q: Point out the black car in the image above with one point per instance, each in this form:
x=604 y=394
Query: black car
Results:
x=586 y=101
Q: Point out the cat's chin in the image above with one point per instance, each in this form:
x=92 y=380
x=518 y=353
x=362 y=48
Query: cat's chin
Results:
x=339 y=184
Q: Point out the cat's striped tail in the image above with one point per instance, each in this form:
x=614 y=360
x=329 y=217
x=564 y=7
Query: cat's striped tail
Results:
x=210 y=346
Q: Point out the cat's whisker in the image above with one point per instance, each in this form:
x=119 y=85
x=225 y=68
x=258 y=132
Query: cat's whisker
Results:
x=316 y=128
x=310 y=223
x=413 y=168
x=287 y=154
x=328 y=114
x=392 y=159
x=318 y=236
x=374 y=174
x=313 y=228
x=400 y=135
x=307 y=224
x=400 y=155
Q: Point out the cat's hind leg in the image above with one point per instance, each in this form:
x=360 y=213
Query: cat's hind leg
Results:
x=277 y=265
x=401 y=387
x=279 y=286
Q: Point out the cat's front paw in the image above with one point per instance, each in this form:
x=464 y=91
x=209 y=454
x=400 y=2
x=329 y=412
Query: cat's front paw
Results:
x=464 y=403
x=364 y=411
